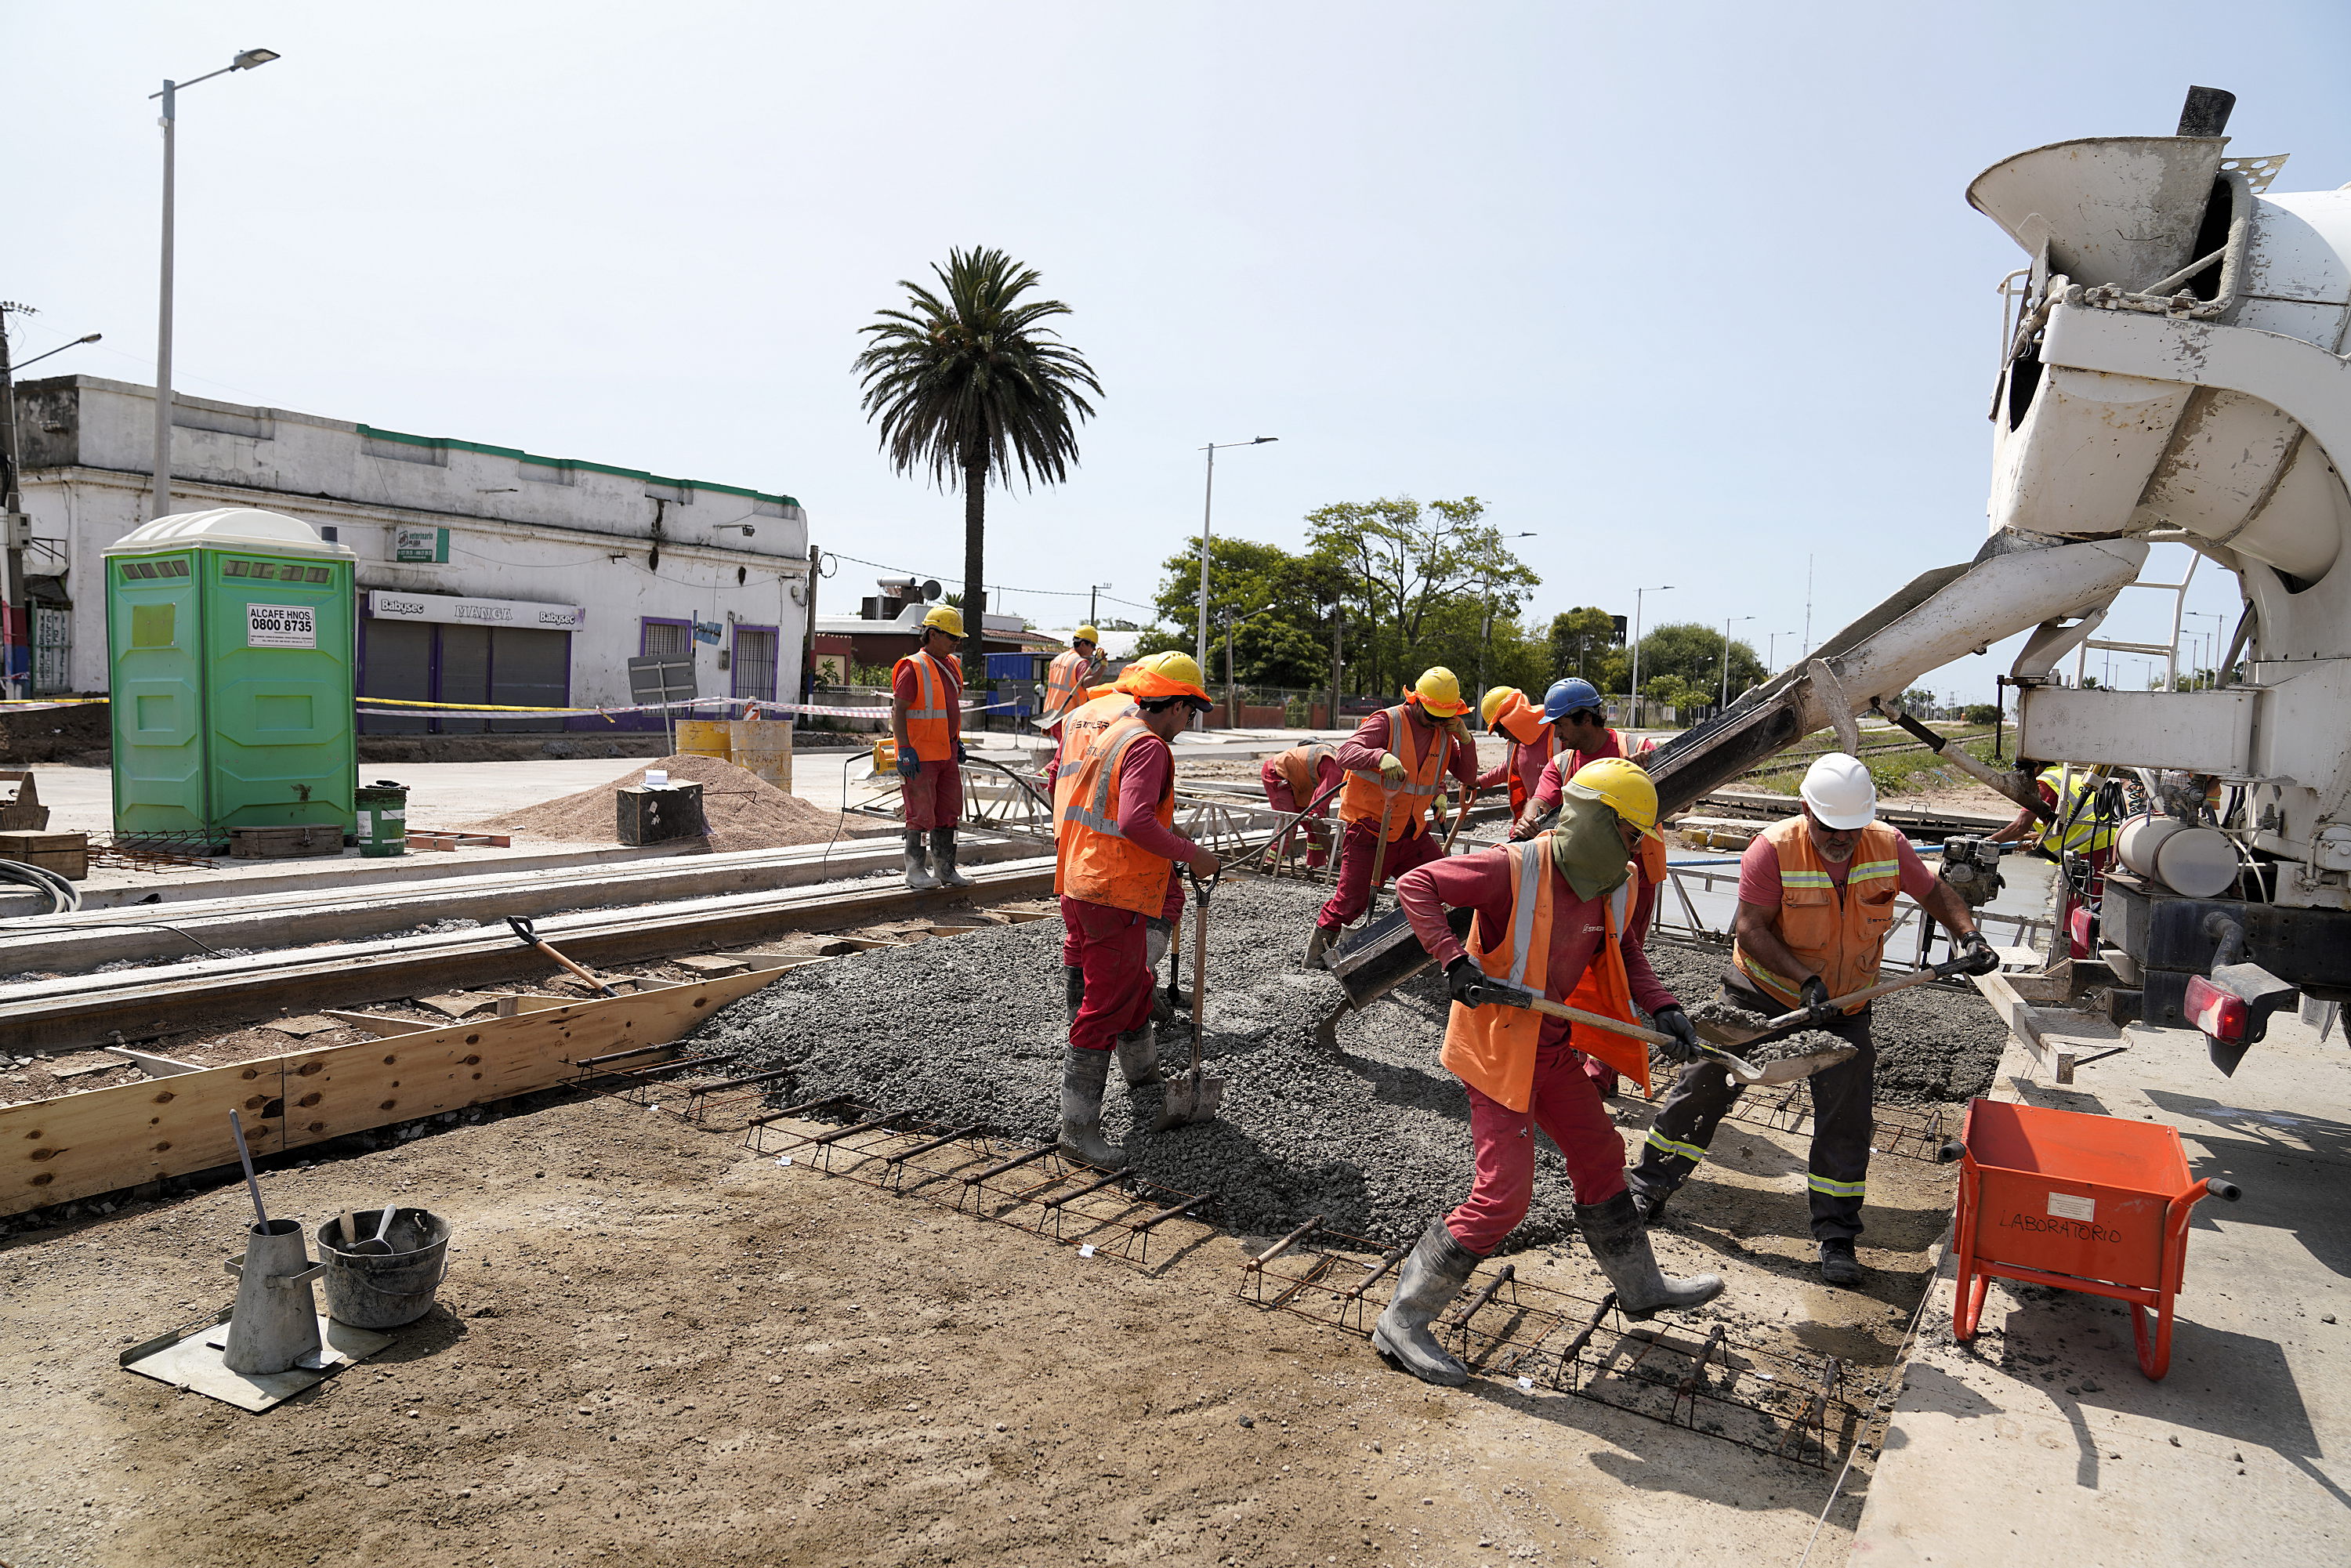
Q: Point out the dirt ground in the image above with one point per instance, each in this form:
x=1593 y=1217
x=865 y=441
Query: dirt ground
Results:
x=655 y=1347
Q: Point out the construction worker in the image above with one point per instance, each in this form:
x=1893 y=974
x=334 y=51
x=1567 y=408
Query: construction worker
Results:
x=1394 y=762
x=1115 y=873
x=1077 y=729
x=2081 y=825
x=1069 y=676
x=926 y=720
x=1557 y=916
x=1580 y=734
x=1815 y=902
x=1529 y=744
x=1294 y=780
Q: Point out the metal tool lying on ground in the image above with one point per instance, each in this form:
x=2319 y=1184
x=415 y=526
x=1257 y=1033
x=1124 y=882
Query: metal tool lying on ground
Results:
x=529 y=933
x=1195 y=1098
x=1747 y=1073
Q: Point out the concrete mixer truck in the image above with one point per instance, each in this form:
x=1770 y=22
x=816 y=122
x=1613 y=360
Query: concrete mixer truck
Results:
x=2174 y=373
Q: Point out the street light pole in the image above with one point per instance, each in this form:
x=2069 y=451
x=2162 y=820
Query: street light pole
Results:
x=1208 y=508
x=1726 y=623
x=1637 y=647
x=245 y=60
x=1772 y=657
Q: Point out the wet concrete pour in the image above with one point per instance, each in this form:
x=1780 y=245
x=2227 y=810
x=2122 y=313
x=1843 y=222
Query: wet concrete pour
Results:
x=970 y=1030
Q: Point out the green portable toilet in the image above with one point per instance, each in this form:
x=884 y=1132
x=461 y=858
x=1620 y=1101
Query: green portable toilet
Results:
x=229 y=652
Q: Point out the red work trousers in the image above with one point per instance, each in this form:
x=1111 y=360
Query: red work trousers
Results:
x=1314 y=829
x=1111 y=953
x=1356 y=850
x=1566 y=1106
x=933 y=797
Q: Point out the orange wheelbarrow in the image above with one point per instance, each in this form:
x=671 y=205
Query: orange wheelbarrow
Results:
x=2082 y=1203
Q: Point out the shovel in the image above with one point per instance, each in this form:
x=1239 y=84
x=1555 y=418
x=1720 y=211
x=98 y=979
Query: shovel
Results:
x=1272 y=851
x=1734 y=1035
x=1744 y=1074
x=1460 y=815
x=524 y=929
x=1195 y=1098
x=1379 y=861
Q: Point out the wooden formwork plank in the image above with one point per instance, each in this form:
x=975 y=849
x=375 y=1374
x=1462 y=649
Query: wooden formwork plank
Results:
x=106 y=1139
x=377 y=1023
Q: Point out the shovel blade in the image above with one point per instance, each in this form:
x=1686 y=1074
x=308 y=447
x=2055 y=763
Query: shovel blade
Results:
x=1790 y=1069
x=1189 y=1100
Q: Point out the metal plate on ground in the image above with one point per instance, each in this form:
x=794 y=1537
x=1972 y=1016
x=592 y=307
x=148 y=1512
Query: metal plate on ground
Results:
x=191 y=1359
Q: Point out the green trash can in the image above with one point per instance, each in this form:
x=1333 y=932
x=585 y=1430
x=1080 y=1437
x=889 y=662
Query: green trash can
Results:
x=381 y=811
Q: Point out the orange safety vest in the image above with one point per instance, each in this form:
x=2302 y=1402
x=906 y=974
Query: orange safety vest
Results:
x=1837 y=935
x=1522 y=722
x=1492 y=1048
x=937 y=715
x=1078 y=732
x=1097 y=863
x=1301 y=768
x=1365 y=799
x=1065 y=686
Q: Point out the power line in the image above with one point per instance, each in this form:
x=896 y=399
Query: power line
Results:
x=993 y=587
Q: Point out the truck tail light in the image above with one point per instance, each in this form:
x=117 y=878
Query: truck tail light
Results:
x=2220 y=1014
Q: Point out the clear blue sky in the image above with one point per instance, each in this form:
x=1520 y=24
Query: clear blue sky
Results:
x=1692 y=291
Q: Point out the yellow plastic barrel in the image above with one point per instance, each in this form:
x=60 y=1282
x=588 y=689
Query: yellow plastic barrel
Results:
x=765 y=748
x=702 y=737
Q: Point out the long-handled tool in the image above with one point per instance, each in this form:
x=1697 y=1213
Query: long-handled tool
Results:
x=1746 y=1073
x=524 y=929
x=1731 y=1034
x=1272 y=850
x=245 y=1158
x=1195 y=1098
x=1460 y=815
x=1379 y=862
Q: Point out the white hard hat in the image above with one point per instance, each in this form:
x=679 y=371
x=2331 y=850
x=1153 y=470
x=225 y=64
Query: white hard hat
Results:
x=1839 y=790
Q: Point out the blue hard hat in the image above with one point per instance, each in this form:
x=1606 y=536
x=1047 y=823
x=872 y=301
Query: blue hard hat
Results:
x=1570 y=695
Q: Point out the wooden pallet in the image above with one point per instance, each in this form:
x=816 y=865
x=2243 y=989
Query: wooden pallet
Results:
x=77 y=1145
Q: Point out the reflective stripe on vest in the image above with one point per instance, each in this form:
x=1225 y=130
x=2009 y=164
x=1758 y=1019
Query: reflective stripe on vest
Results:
x=1838 y=935
x=1096 y=862
x=931 y=724
x=1365 y=799
x=1492 y=1048
x=1078 y=732
x=1300 y=767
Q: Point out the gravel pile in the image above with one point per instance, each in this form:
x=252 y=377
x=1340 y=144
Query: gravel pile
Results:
x=971 y=1030
x=744 y=810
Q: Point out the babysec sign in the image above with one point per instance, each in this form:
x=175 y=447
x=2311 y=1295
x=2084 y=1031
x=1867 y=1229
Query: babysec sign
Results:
x=386 y=605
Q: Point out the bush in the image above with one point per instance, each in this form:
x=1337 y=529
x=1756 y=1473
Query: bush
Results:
x=1980 y=713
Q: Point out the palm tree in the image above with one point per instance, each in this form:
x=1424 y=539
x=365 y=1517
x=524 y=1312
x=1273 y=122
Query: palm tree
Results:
x=967 y=381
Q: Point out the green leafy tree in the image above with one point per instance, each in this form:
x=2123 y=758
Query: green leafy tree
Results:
x=1400 y=561
x=1280 y=604
x=969 y=383
x=1578 y=637
x=1693 y=651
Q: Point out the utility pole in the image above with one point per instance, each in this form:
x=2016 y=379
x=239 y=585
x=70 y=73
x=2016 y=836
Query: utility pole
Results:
x=15 y=530
x=1337 y=669
x=808 y=633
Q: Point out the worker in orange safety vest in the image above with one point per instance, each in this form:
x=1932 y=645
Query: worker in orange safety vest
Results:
x=926 y=723
x=1293 y=781
x=1069 y=676
x=1115 y=873
x=1558 y=917
x=1578 y=718
x=1394 y=762
x=1528 y=744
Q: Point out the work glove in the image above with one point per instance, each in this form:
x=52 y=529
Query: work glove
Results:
x=1816 y=994
x=960 y=758
x=1464 y=980
x=1976 y=952
x=1391 y=770
x=1672 y=1020
x=909 y=765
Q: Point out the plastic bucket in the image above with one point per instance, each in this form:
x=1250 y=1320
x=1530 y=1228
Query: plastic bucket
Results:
x=381 y=813
x=383 y=1292
x=702 y=737
x=765 y=748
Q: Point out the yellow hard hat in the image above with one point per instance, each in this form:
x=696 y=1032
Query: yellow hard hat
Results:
x=1494 y=701
x=1439 y=692
x=1085 y=634
x=1624 y=786
x=1167 y=675
x=945 y=618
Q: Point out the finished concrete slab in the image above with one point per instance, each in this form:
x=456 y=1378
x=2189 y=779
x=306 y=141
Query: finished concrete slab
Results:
x=2040 y=1441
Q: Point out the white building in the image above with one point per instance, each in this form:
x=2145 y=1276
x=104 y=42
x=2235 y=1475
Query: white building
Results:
x=486 y=575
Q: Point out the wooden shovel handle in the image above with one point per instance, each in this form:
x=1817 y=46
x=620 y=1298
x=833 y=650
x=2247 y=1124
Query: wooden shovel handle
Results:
x=1460 y=815
x=1939 y=972
x=1597 y=1020
x=575 y=968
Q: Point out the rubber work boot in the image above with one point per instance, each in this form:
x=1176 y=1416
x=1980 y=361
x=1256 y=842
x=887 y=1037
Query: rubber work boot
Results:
x=1317 y=948
x=1138 y=1056
x=1084 y=1074
x=1620 y=1245
x=1073 y=988
x=918 y=865
x=1838 y=1265
x=943 y=854
x=1440 y=1266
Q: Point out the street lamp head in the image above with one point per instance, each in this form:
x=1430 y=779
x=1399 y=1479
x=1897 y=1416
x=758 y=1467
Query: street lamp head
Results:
x=1261 y=440
x=252 y=57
